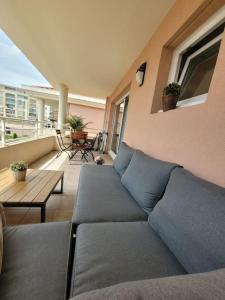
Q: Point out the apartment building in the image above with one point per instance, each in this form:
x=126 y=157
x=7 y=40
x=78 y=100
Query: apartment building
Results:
x=23 y=103
x=41 y=103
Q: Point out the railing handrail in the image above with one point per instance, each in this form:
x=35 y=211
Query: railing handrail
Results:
x=24 y=120
x=37 y=129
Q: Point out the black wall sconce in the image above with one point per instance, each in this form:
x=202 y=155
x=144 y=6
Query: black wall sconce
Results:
x=140 y=74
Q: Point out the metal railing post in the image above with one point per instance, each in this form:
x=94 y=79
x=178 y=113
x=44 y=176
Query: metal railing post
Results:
x=3 y=132
x=36 y=129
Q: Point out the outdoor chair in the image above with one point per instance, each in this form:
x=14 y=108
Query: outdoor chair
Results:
x=79 y=145
x=62 y=147
x=84 y=145
x=90 y=146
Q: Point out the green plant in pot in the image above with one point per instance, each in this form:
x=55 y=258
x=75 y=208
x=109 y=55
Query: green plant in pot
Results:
x=77 y=126
x=170 y=97
x=19 y=170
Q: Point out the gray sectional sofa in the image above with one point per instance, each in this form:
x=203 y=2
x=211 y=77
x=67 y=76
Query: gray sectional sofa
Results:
x=141 y=229
x=35 y=261
x=147 y=229
x=124 y=192
x=102 y=198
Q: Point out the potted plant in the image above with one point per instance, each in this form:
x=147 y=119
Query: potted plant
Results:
x=170 y=97
x=77 y=126
x=19 y=170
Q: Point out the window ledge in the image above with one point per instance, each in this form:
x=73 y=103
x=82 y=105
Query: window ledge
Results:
x=190 y=102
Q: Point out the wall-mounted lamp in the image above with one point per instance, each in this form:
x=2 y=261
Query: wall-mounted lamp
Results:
x=140 y=74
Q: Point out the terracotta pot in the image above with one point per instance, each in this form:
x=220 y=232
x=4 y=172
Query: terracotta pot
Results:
x=169 y=102
x=19 y=175
x=79 y=135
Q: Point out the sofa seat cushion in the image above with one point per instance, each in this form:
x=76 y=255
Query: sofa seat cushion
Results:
x=203 y=286
x=146 y=179
x=35 y=261
x=110 y=253
x=102 y=198
x=123 y=158
x=190 y=219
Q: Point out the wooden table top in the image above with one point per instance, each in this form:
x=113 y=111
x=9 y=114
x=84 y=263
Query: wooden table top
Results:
x=38 y=186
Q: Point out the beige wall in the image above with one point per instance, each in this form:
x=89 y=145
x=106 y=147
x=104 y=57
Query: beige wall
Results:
x=90 y=114
x=192 y=136
x=29 y=151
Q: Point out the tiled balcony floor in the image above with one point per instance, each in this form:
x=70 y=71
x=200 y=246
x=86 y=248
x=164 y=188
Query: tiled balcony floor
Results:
x=59 y=207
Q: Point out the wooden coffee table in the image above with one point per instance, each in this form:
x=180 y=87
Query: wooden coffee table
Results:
x=34 y=192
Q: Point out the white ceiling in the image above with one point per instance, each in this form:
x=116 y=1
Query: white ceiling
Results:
x=87 y=45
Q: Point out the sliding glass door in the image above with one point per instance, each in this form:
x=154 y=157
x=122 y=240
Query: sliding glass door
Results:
x=120 y=114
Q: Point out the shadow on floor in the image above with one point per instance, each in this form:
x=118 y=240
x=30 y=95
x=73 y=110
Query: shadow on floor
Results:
x=59 y=206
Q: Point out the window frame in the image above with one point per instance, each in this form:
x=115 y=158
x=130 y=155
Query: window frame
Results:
x=211 y=24
x=118 y=102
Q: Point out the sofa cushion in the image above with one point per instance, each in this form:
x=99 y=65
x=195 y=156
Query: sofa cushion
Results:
x=123 y=158
x=204 y=286
x=35 y=261
x=102 y=198
x=190 y=219
x=110 y=253
x=146 y=179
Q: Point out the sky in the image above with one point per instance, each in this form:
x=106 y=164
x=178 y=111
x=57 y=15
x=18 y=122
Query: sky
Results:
x=15 y=68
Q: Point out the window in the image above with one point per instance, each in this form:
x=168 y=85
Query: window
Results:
x=32 y=109
x=197 y=66
x=1 y=104
x=10 y=101
x=21 y=106
x=194 y=60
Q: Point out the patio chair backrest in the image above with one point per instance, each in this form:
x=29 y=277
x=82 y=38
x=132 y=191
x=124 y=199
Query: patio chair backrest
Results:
x=90 y=143
x=59 y=139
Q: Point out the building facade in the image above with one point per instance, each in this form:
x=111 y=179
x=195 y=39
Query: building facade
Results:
x=188 y=47
x=17 y=103
x=29 y=104
x=41 y=103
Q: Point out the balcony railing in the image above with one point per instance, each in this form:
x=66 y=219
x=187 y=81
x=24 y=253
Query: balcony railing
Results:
x=14 y=130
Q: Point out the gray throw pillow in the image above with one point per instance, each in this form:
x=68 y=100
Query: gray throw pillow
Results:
x=146 y=179
x=123 y=158
x=190 y=219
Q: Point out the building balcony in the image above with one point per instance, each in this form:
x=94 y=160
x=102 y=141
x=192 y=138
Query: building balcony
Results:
x=149 y=223
x=35 y=142
x=59 y=207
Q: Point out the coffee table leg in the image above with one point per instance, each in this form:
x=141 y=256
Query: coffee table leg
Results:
x=62 y=180
x=61 y=187
x=43 y=213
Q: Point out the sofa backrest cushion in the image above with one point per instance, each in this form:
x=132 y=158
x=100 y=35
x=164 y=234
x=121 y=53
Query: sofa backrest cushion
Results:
x=123 y=158
x=190 y=219
x=2 y=223
x=146 y=179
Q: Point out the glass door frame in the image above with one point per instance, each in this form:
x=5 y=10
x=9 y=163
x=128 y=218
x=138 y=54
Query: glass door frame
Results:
x=124 y=99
